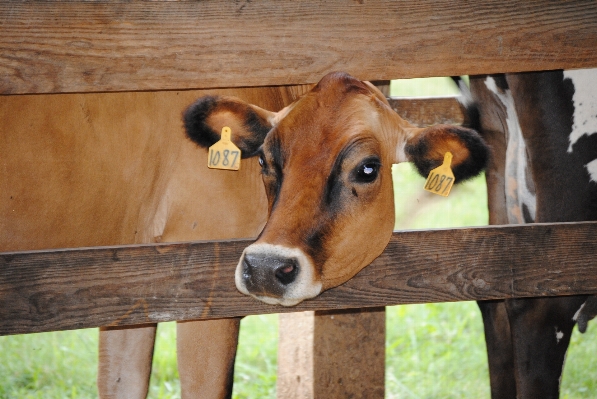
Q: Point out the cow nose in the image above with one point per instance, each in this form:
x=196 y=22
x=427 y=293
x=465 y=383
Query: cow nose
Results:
x=268 y=275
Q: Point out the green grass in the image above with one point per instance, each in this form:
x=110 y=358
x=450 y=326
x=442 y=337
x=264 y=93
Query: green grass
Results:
x=432 y=350
x=435 y=351
x=164 y=383
x=579 y=379
x=49 y=365
x=256 y=359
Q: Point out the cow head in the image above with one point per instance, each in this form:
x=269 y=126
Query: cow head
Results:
x=326 y=164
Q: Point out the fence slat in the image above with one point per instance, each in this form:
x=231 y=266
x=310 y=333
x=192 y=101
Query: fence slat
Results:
x=69 y=289
x=81 y=46
x=332 y=354
x=424 y=111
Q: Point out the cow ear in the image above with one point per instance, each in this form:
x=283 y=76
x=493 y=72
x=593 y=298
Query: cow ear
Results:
x=426 y=149
x=205 y=118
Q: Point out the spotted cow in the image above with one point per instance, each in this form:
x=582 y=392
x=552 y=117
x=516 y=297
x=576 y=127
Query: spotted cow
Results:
x=326 y=165
x=107 y=169
x=542 y=130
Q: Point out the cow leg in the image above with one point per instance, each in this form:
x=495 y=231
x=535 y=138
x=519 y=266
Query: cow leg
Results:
x=500 y=355
x=541 y=331
x=206 y=351
x=125 y=355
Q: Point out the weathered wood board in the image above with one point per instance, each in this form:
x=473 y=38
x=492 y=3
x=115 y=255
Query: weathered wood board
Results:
x=332 y=354
x=425 y=111
x=81 y=46
x=70 y=289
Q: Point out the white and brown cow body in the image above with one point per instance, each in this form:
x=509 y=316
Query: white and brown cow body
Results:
x=542 y=128
x=106 y=169
x=326 y=164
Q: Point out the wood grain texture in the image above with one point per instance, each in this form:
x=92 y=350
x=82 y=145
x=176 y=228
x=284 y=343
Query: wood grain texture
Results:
x=425 y=111
x=81 y=46
x=295 y=373
x=349 y=354
x=80 y=288
x=332 y=354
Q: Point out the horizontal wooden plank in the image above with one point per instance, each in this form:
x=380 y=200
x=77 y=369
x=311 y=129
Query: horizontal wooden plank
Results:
x=80 y=46
x=424 y=111
x=69 y=289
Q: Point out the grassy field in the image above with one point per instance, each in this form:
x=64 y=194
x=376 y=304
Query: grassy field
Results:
x=432 y=350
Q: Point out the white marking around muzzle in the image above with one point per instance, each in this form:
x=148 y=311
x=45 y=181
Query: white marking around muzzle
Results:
x=305 y=285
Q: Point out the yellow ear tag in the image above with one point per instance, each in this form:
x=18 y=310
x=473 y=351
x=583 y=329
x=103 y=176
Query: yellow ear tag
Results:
x=441 y=179
x=224 y=154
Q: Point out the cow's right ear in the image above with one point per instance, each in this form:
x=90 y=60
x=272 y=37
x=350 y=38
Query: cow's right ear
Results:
x=205 y=118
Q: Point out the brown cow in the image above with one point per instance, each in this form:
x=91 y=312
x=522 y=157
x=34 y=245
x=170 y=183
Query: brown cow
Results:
x=106 y=169
x=326 y=164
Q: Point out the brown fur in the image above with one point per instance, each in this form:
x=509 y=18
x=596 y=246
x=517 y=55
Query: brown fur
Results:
x=106 y=169
x=311 y=155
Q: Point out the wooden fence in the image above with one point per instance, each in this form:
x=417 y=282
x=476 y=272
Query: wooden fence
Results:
x=82 y=46
x=136 y=284
x=96 y=46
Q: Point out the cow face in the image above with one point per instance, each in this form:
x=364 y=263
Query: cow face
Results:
x=326 y=164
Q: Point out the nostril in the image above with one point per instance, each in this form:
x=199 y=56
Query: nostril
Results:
x=263 y=274
x=287 y=272
x=247 y=269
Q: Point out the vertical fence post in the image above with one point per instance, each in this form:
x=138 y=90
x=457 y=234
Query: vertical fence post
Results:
x=332 y=354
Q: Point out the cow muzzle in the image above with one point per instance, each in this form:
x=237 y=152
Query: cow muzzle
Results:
x=276 y=274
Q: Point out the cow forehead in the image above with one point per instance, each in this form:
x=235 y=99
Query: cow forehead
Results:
x=323 y=122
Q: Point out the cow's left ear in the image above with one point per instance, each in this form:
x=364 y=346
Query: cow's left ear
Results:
x=426 y=148
x=205 y=118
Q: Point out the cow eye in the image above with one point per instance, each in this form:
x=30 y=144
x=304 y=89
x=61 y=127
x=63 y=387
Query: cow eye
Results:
x=367 y=171
x=261 y=161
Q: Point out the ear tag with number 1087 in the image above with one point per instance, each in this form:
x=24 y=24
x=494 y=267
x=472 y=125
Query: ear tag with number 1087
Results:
x=441 y=179
x=224 y=154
